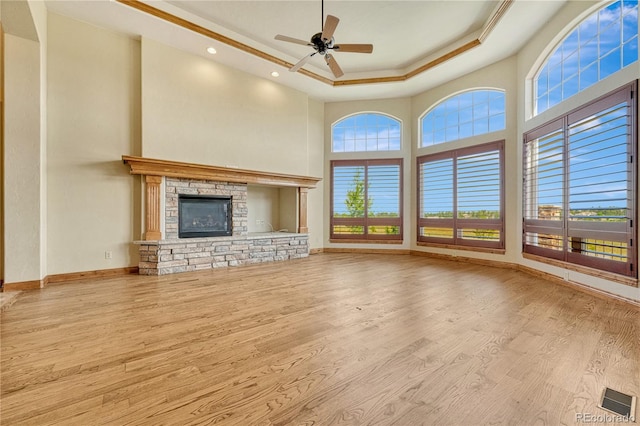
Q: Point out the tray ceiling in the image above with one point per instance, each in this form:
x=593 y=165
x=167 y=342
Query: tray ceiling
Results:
x=417 y=44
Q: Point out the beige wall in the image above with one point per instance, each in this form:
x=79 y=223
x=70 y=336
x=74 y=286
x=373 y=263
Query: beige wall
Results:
x=24 y=140
x=22 y=162
x=1 y=149
x=199 y=111
x=272 y=209
x=93 y=119
x=316 y=165
x=187 y=108
x=263 y=205
x=39 y=14
x=288 y=210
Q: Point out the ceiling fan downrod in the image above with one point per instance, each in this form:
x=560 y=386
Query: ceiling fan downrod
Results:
x=322 y=42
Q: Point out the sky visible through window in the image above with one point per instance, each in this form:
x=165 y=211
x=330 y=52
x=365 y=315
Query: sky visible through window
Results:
x=471 y=113
x=366 y=132
x=598 y=161
x=383 y=189
x=478 y=186
x=579 y=190
x=602 y=44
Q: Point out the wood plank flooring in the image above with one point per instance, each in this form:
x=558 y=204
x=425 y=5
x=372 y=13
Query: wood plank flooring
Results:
x=333 y=339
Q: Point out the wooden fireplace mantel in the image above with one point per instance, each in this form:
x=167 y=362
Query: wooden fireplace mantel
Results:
x=154 y=170
x=154 y=167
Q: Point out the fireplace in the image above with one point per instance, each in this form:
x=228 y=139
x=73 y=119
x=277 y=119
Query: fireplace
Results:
x=204 y=216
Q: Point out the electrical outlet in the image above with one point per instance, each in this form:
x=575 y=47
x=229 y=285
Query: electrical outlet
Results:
x=108 y=254
x=259 y=222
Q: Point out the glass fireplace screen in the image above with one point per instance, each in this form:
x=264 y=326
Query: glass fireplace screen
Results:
x=204 y=216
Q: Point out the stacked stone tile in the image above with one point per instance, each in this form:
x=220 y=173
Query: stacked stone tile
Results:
x=173 y=256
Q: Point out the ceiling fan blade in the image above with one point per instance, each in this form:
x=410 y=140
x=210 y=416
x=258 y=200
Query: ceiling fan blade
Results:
x=301 y=62
x=330 y=25
x=356 y=48
x=292 y=40
x=333 y=65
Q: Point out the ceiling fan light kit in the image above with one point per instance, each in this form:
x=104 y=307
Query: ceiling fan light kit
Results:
x=322 y=43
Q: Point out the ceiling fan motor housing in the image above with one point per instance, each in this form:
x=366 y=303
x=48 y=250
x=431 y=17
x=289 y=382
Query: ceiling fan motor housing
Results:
x=320 y=44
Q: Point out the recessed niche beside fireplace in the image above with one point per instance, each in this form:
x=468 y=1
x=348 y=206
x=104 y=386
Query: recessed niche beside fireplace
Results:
x=204 y=216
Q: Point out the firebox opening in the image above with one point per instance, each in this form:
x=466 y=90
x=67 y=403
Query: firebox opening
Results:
x=204 y=216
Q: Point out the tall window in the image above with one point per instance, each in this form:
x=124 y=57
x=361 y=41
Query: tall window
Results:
x=366 y=199
x=366 y=132
x=602 y=44
x=461 y=116
x=461 y=197
x=579 y=185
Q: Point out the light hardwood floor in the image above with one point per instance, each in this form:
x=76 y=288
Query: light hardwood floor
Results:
x=332 y=339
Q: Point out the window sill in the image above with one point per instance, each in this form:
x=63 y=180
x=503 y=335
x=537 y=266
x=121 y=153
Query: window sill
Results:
x=620 y=279
x=350 y=241
x=467 y=248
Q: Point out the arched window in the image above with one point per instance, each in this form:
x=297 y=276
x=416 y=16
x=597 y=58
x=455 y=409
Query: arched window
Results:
x=602 y=44
x=471 y=113
x=367 y=131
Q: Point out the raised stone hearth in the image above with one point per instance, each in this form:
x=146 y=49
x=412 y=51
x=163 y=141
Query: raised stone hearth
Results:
x=166 y=181
x=184 y=255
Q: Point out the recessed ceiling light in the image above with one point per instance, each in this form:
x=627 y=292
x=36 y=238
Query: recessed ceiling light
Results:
x=275 y=74
x=212 y=50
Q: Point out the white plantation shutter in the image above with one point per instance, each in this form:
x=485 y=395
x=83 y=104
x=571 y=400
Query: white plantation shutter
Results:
x=436 y=183
x=479 y=196
x=461 y=197
x=343 y=178
x=366 y=199
x=383 y=180
x=543 y=191
x=580 y=186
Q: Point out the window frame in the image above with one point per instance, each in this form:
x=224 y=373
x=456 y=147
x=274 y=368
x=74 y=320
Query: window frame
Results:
x=367 y=221
x=455 y=223
x=581 y=69
x=364 y=113
x=473 y=120
x=566 y=228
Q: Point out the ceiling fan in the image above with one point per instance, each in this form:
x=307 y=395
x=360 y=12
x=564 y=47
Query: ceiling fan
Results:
x=323 y=42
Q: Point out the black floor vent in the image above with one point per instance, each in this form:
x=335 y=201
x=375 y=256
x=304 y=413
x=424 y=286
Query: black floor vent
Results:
x=618 y=402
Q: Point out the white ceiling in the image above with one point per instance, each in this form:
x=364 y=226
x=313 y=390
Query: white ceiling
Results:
x=405 y=35
x=402 y=32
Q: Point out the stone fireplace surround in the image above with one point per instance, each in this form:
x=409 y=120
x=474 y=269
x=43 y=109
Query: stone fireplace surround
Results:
x=161 y=256
x=174 y=254
x=173 y=187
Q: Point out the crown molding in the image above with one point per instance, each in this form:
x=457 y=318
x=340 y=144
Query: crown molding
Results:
x=488 y=27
